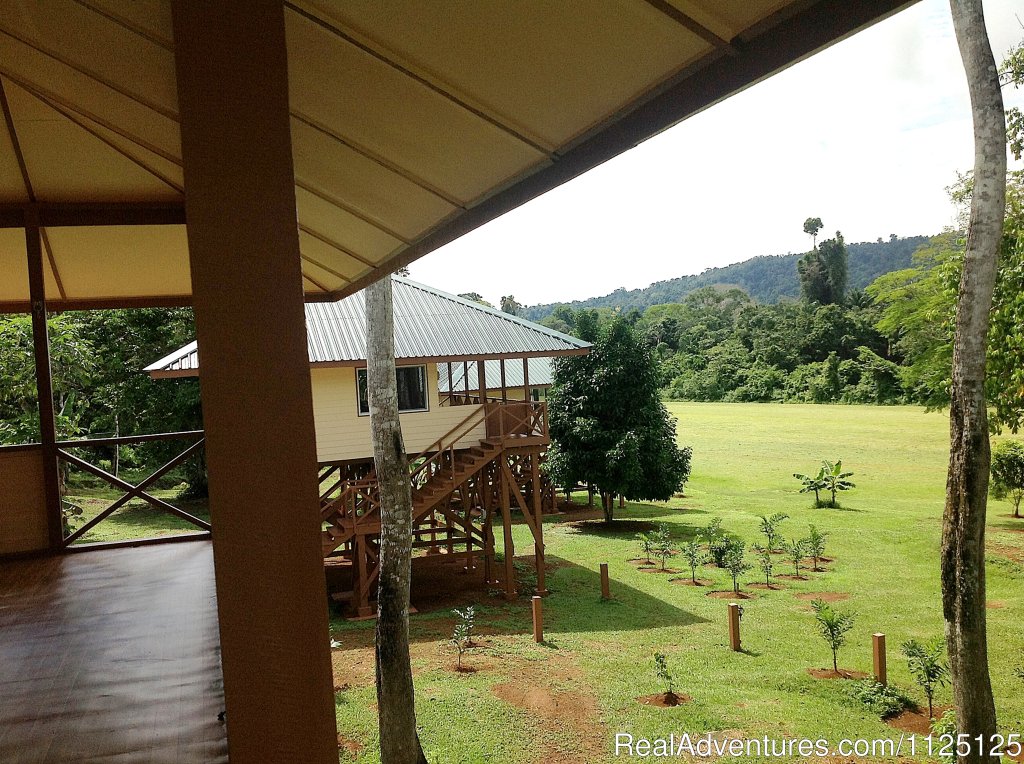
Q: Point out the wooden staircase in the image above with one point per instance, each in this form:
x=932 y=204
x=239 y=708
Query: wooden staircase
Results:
x=456 y=493
x=357 y=509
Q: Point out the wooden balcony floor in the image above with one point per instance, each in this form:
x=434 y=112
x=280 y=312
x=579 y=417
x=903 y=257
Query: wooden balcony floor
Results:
x=111 y=656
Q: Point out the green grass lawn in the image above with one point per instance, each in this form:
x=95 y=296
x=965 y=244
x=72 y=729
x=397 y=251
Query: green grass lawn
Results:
x=563 y=701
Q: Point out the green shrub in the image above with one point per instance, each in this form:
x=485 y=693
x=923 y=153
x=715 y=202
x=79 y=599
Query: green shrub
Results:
x=944 y=730
x=880 y=699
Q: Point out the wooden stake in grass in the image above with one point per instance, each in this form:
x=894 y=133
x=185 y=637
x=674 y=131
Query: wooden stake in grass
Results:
x=878 y=648
x=606 y=593
x=538 y=619
x=734 y=626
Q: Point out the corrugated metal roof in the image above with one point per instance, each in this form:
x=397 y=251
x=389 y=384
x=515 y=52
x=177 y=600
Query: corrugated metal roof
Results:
x=540 y=375
x=429 y=323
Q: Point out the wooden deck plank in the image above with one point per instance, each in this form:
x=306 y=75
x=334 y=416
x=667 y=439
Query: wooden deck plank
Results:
x=111 y=656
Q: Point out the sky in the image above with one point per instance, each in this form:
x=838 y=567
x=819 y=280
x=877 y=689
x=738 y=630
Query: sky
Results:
x=867 y=135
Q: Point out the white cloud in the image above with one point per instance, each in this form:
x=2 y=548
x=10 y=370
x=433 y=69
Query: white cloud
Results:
x=865 y=135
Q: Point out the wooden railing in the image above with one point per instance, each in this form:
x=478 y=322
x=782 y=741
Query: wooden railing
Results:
x=517 y=419
x=131 y=491
x=433 y=455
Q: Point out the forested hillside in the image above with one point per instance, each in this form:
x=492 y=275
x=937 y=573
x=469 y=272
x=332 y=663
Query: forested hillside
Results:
x=767 y=279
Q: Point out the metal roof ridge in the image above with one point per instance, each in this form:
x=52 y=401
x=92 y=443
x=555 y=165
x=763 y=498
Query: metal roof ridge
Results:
x=526 y=323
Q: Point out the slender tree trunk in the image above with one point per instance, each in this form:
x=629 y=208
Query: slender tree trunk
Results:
x=399 y=742
x=963 y=523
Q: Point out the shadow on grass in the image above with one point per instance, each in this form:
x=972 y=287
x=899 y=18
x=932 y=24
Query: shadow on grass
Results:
x=574 y=605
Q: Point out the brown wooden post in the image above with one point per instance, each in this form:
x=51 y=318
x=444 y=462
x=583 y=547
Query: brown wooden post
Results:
x=504 y=388
x=465 y=378
x=878 y=644
x=451 y=387
x=232 y=87
x=44 y=381
x=606 y=590
x=538 y=619
x=526 y=379
x=509 y=547
x=734 y=626
x=538 y=541
x=481 y=378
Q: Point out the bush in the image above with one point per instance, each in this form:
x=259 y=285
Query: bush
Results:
x=880 y=699
x=944 y=730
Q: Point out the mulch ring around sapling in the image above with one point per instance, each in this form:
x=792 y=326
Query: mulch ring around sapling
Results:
x=766 y=587
x=659 y=569
x=915 y=720
x=821 y=673
x=823 y=596
x=664 y=699
x=731 y=595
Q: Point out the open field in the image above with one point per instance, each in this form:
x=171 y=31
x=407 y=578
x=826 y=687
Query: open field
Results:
x=563 y=701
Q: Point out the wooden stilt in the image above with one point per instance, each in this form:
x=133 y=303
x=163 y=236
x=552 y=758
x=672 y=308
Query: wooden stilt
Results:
x=538 y=540
x=510 y=551
x=538 y=619
x=361 y=579
x=504 y=388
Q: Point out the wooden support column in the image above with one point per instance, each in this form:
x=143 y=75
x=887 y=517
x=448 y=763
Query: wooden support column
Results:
x=481 y=379
x=44 y=381
x=465 y=378
x=232 y=80
x=510 y=549
x=451 y=387
x=538 y=537
x=526 y=379
x=504 y=387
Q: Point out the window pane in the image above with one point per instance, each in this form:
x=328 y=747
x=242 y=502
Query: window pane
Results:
x=364 y=399
x=412 y=388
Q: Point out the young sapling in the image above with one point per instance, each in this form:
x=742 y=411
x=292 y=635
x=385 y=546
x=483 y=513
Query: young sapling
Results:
x=833 y=626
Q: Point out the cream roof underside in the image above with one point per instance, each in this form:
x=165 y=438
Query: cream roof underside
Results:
x=407 y=116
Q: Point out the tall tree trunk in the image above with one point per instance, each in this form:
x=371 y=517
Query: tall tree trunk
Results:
x=963 y=523
x=399 y=743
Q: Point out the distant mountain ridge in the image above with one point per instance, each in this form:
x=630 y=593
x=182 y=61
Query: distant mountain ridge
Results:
x=767 y=278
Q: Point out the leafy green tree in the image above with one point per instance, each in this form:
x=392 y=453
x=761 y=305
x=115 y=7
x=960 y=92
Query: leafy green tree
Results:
x=647 y=545
x=765 y=562
x=628 y=450
x=475 y=297
x=918 y=310
x=930 y=671
x=769 y=526
x=816 y=541
x=796 y=550
x=510 y=306
x=73 y=362
x=662 y=672
x=823 y=272
x=663 y=544
x=833 y=625
x=1008 y=473
x=836 y=480
x=695 y=557
x=811 y=227
x=735 y=561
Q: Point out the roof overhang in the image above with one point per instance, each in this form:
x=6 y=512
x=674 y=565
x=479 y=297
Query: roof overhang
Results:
x=412 y=123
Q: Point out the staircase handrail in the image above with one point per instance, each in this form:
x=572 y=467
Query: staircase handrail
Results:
x=446 y=443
